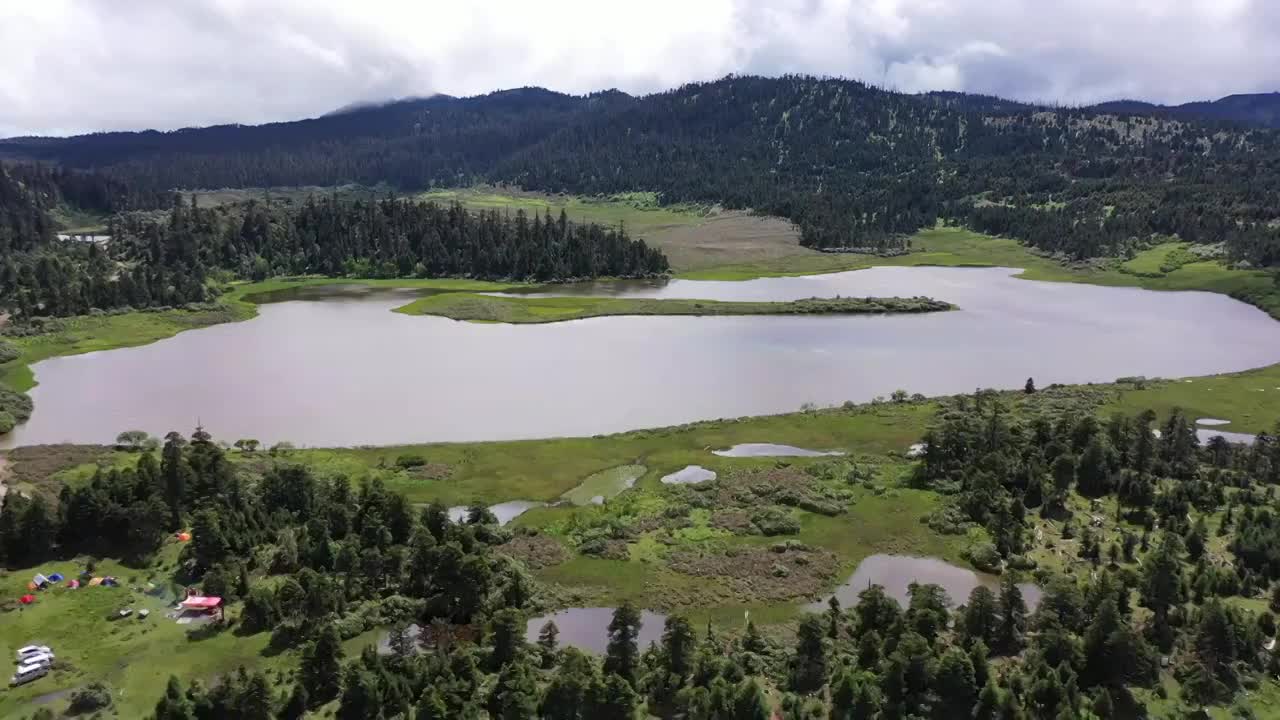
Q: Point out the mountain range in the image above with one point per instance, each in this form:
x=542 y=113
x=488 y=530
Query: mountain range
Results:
x=854 y=166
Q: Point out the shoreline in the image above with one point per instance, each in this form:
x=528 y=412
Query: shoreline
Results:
x=937 y=247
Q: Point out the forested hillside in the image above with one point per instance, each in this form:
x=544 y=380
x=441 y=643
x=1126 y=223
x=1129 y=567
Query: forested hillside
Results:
x=854 y=166
x=163 y=259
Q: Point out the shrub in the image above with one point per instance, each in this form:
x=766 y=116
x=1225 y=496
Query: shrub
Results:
x=15 y=403
x=773 y=520
x=1021 y=562
x=288 y=633
x=410 y=461
x=8 y=352
x=91 y=697
x=983 y=556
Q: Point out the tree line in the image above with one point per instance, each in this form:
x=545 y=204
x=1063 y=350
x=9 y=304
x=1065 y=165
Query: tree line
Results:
x=171 y=258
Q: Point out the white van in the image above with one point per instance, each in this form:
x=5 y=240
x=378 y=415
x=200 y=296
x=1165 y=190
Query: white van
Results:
x=28 y=651
x=27 y=673
x=42 y=659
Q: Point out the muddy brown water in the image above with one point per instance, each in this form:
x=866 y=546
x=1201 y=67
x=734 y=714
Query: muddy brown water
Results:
x=339 y=369
x=895 y=573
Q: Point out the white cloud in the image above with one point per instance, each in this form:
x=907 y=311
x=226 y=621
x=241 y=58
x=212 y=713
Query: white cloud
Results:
x=78 y=65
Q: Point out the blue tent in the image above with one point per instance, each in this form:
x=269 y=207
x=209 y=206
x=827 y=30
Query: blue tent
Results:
x=56 y=577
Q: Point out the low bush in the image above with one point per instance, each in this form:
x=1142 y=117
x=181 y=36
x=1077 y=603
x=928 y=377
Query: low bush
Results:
x=91 y=697
x=983 y=556
x=8 y=352
x=405 y=462
x=773 y=520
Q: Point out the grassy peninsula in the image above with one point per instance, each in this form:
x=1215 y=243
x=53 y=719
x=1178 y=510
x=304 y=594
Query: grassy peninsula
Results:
x=508 y=309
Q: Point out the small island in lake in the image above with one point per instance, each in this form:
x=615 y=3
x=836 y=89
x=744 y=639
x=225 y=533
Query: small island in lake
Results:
x=530 y=309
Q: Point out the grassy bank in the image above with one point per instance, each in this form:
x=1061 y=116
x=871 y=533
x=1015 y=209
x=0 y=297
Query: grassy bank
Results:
x=266 y=290
x=92 y=333
x=1163 y=267
x=488 y=308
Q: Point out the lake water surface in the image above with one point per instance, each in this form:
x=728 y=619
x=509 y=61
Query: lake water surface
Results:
x=895 y=573
x=343 y=370
x=588 y=628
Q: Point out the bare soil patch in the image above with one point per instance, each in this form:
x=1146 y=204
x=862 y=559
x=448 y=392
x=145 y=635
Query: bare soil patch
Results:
x=536 y=551
x=746 y=490
x=727 y=238
x=34 y=465
x=754 y=574
x=431 y=471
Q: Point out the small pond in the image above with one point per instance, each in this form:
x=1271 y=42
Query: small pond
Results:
x=588 y=628
x=384 y=640
x=601 y=486
x=772 y=450
x=689 y=475
x=505 y=511
x=1206 y=434
x=895 y=573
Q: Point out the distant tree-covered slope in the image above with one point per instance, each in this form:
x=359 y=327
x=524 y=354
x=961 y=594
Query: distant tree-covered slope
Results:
x=156 y=259
x=1250 y=109
x=854 y=166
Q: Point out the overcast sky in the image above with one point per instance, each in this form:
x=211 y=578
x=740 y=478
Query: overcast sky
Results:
x=79 y=65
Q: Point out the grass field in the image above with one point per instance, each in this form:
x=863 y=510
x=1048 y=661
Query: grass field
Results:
x=488 y=308
x=1249 y=399
x=543 y=470
x=639 y=212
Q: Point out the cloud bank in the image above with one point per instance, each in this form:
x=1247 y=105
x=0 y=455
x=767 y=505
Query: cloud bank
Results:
x=80 y=65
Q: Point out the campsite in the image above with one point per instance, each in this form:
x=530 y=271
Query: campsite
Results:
x=133 y=655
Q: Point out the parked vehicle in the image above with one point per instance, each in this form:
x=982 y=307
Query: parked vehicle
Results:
x=30 y=650
x=27 y=673
x=44 y=659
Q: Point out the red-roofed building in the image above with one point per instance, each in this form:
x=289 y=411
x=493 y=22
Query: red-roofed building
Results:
x=202 y=603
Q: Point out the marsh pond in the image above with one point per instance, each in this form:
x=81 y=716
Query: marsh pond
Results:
x=337 y=368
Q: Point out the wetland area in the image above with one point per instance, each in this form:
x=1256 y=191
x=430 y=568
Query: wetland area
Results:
x=760 y=516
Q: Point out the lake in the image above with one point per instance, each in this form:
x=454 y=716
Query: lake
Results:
x=339 y=369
